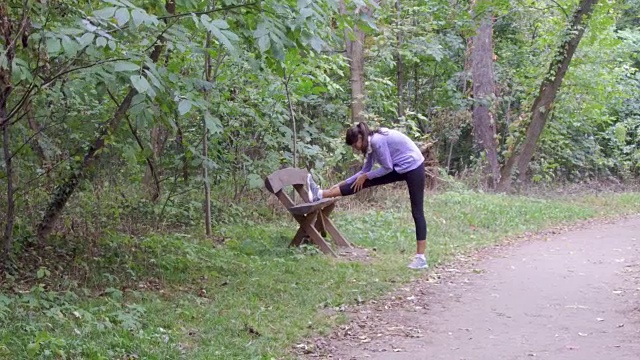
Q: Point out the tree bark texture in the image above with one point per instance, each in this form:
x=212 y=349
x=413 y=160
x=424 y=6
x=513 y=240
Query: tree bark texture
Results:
x=355 y=55
x=10 y=33
x=543 y=104
x=484 y=126
x=399 y=62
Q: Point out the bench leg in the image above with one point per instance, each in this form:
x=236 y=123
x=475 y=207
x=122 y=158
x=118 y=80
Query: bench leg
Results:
x=300 y=234
x=307 y=228
x=320 y=226
x=331 y=228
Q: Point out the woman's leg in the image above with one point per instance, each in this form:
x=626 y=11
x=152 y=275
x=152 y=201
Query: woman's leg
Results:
x=346 y=189
x=415 y=182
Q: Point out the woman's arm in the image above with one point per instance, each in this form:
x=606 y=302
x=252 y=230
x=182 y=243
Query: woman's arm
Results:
x=368 y=164
x=383 y=157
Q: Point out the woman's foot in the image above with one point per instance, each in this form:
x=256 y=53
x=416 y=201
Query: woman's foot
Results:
x=419 y=262
x=315 y=193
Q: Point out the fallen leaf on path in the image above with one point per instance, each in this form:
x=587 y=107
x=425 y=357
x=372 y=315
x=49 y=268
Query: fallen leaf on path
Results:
x=583 y=334
x=620 y=325
x=599 y=319
x=573 y=347
x=577 y=307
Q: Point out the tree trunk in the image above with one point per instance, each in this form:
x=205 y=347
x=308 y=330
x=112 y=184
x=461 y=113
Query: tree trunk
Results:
x=205 y=146
x=159 y=137
x=483 y=90
x=10 y=31
x=63 y=192
x=153 y=173
x=399 y=63
x=7 y=238
x=543 y=104
x=355 y=55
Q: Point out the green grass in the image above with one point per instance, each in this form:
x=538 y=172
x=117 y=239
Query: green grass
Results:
x=176 y=296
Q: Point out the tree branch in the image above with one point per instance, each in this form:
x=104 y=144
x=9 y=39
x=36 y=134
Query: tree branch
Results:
x=207 y=12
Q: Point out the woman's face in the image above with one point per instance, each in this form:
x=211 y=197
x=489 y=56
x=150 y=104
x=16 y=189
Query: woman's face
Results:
x=358 y=146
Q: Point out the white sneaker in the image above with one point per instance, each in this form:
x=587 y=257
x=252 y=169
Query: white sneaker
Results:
x=418 y=263
x=313 y=189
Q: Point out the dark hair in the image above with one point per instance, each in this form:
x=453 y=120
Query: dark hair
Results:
x=360 y=129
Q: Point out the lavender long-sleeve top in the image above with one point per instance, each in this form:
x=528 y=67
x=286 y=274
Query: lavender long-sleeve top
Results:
x=392 y=150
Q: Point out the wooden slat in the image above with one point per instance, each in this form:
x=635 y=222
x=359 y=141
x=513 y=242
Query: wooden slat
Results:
x=307 y=208
x=285 y=177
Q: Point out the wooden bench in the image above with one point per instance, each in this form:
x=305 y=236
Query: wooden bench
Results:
x=313 y=217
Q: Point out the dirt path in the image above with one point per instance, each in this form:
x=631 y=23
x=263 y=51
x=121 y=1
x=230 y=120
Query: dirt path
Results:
x=574 y=295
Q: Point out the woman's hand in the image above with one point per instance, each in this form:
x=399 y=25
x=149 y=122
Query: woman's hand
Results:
x=357 y=185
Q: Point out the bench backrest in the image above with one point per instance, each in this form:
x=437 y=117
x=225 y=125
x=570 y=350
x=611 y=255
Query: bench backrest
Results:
x=285 y=177
x=280 y=179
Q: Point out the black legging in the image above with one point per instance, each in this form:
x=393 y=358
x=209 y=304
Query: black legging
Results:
x=415 y=182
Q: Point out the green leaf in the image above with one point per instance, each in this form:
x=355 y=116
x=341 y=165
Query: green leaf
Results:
x=211 y=26
x=255 y=181
x=86 y=39
x=303 y=3
x=213 y=124
x=369 y=21
x=220 y=24
x=230 y=35
x=42 y=272
x=317 y=43
x=112 y=45
x=71 y=31
x=126 y=66
x=261 y=30
x=305 y=13
x=53 y=45
x=184 y=106
x=106 y=13
x=138 y=16
x=122 y=16
x=127 y=3
x=140 y=83
x=264 y=43
x=70 y=46
x=101 y=42
x=154 y=79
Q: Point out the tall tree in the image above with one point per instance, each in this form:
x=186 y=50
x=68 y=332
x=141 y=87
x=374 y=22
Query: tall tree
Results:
x=543 y=104
x=159 y=136
x=13 y=28
x=484 y=125
x=399 y=62
x=354 y=41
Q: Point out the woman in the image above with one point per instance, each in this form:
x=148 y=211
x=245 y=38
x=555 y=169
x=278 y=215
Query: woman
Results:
x=400 y=160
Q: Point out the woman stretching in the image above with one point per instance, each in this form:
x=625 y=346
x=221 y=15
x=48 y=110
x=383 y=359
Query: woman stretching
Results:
x=399 y=159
